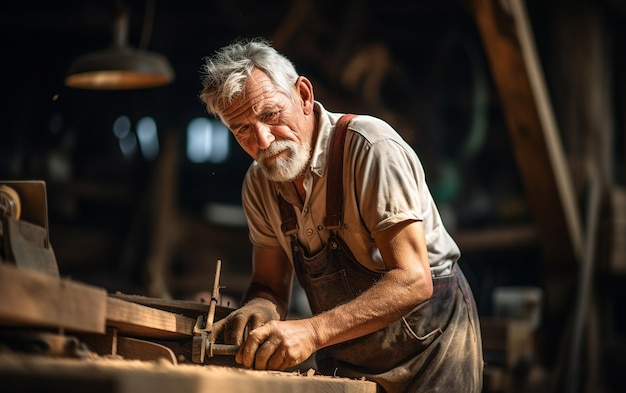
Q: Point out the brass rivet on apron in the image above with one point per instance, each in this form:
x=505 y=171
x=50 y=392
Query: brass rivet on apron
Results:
x=333 y=245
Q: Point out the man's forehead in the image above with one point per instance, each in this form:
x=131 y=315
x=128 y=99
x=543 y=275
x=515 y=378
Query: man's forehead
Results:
x=259 y=88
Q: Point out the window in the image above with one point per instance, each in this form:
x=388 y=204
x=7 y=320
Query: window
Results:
x=207 y=141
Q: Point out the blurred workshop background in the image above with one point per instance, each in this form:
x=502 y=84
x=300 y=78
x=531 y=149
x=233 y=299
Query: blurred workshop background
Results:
x=517 y=110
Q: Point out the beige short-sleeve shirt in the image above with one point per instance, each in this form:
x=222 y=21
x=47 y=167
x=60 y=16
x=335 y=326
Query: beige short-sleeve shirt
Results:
x=384 y=184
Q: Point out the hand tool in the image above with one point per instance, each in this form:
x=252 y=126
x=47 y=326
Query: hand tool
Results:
x=204 y=341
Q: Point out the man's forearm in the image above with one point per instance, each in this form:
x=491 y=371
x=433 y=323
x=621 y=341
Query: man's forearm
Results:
x=393 y=296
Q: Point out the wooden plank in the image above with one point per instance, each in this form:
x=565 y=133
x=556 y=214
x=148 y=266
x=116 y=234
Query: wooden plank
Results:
x=30 y=298
x=509 y=43
x=185 y=307
x=142 y=321
x=28 y=374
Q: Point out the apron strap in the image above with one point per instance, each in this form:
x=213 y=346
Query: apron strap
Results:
x=289 y=225
x=334 y=198
x=334 y=184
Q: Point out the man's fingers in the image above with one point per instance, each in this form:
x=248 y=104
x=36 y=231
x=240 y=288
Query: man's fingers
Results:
x=256 y=321
x=257 y=349
x=278 y=361
x=274 y=347
x=248 y=351
x=264 y=353
x=235 y=329
x=234 y=326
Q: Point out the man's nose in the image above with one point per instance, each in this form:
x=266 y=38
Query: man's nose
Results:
x=264 y=136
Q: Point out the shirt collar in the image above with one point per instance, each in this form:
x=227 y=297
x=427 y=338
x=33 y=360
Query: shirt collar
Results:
x=326 y=123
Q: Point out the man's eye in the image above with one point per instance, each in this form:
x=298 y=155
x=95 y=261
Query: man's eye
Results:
x=271 y=115
x=242 y=133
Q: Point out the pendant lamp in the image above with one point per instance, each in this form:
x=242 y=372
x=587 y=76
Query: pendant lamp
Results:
x=119 y=67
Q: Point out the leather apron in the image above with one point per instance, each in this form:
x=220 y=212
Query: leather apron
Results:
x=434 y=348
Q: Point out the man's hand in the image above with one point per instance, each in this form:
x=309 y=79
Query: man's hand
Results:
x=250 y=316
x=278 y=345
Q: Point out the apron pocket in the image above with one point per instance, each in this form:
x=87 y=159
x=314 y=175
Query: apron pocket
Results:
x=329 y=290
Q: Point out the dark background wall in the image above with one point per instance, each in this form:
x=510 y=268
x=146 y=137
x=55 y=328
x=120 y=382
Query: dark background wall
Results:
x=419 y=65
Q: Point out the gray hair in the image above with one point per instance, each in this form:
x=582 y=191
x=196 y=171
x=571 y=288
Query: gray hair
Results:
x=225 y=73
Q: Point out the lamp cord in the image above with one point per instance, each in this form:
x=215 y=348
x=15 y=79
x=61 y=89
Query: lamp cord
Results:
x=147 y=24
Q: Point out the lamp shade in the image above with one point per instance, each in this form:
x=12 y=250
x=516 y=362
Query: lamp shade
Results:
x=120 y=67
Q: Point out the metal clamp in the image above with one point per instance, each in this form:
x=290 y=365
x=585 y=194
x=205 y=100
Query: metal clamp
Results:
x=203 y=341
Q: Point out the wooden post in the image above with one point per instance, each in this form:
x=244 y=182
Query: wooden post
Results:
x=509 y=43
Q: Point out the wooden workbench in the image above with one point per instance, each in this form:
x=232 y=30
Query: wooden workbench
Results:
x=27 y=373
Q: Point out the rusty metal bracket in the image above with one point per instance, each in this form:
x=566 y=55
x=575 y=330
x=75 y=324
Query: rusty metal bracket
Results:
x=203 y=344
x=115 y=346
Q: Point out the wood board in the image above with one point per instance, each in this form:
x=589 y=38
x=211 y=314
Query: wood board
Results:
x=142 y=321
x=33 y=299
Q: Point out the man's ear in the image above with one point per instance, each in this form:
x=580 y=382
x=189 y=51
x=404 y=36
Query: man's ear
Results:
x=305 y=91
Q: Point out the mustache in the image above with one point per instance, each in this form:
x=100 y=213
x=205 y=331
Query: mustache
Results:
x=275 y=148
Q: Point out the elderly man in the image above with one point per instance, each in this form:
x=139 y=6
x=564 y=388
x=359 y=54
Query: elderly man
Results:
x=340 y=201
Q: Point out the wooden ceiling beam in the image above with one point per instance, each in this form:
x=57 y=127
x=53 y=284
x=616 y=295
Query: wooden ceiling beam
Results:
x=509 y=43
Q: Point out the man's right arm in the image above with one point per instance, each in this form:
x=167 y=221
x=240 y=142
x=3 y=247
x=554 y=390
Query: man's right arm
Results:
x=267 y=297
x=272 y=277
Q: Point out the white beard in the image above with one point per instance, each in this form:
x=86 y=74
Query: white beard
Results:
x=287 y=167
